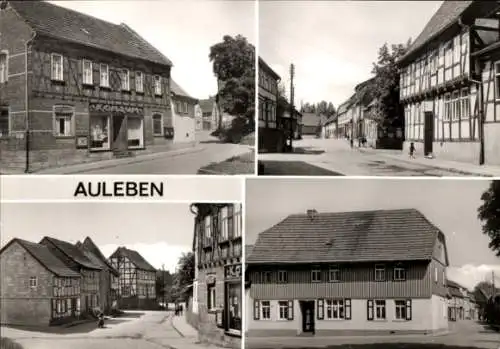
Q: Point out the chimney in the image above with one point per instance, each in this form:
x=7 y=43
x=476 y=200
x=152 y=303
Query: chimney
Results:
x=312 y=213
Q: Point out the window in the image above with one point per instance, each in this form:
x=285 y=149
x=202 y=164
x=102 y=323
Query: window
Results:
x=315 y=275
x=334 y=274
x=125 y=79
x=185 y=110
x=456 y=49
x=158 y=85
x=4 y=67
x=104 y=71
x=464 y=98
x=33 y=281
x=224 y=223
x=435 y=274
x=266 y=277
x=139 y=82
x=444 y=278
x=403 y=309
x=497 y=80
x=334 y=309
x=157 y=124
x=237 y=220
x=285 y=310
x=87 y=72
x=99 y=132
x=399 y=273
x=447 y=107
x=265 y=310
x=57 y=67
x=379 y=272
x=282 y=276
x=4 y=122
x=455 y=114
x=208 y=230
x=63 y=119
x=380 y=309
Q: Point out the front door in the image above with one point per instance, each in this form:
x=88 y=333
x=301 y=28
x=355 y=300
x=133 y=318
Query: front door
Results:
x=120 y=142
x=307 y=308
x=428 y=132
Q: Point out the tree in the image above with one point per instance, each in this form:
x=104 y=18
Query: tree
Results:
x=489 y=214
x=184 y=275
x=163 y=285
x=233 y=62
x=282 y=104
x=387 y=111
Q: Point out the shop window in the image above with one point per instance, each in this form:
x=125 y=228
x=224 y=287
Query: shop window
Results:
x=57 y=67
x=157 y=124
x=63 y=121
x=99 y=132
x=87 y=72
x=169 y=132
x=4 y=122
x=211 y=305
x=135 y=132
x=4 y=66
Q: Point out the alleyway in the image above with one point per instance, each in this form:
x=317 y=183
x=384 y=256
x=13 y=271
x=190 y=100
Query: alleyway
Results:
x=145 y=330
x=332 y=157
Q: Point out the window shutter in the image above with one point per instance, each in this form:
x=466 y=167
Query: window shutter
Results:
x=408 y=309
x=321 y=308
x=96 y=74
x=347 y=309
x=370 y=309
x=256 y=310
x=290 y=310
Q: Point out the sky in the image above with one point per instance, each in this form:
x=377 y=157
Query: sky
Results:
x=451 y=205
x=334 y=43
x=159 y=232
x=183 y=30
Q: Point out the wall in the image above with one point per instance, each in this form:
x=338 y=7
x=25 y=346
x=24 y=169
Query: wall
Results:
x=439 y=313
x=20 y=304
x=184 y=124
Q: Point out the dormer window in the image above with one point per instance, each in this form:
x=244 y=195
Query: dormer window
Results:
x=125 y=79
x=399 y=273
x=379 y=272
x=57 y=67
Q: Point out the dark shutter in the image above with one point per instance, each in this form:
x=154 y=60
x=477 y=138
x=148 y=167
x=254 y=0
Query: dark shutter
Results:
x=408 y=309
x=290 y=310
x=256 y=310
x=347 y=312
x=369 y=309
x=321 y=309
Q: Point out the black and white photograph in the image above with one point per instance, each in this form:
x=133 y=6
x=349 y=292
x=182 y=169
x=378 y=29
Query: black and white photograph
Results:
x=372 y=263
x=127 y=87
x=379 y=88
x=122 y=275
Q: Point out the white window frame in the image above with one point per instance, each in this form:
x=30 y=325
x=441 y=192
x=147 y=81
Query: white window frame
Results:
x=447 y=107
x=316 y=275
x=2 y=108
x=207 y=221
x=185 y=107
x=103 y=82
x=380 y=268
x=53 y=76
x=399 y=273
x=283 y=305
x=125 y=79
x=237 y=220
x=90 y=76
x=58 y=117
x=266 y=277
x=455 y=100
x=267 y=306
x=161 y=123
x=497 y=80
x=465 y=103
x=379 y=304
x=399 y=306
x=334 y=271
x=224 y=223
x=4 y=74
x=436 y=278
x=282 y=276
x=334 y=305
x=33 y=282
x=213 y=304
x=139 y=81
x=157 y=85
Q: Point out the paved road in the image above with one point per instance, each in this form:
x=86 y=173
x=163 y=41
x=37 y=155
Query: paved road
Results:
x=329 y=157
x=186 y=163
x=464 y=334
x=144 y=330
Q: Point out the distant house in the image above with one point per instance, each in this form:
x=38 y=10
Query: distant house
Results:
x=108 y=285
x=295 y=126
x=137 y=280
x=344 y=119
x=210 y=114
x=183 y=107
x=311 y=124
x=89 y=270
x=37 y=288
x=364 y=272
x=329 y=127
x=460 y=304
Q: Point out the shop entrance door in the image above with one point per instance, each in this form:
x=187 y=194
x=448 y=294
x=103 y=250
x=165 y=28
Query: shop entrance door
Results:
x=120 y=141
x=307 y=308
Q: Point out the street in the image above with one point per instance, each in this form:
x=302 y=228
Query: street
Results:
x=334 y=157
x=138 y=329
x=463 y=335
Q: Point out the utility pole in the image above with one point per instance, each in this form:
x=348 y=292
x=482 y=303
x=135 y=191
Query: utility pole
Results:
x=292 y=73
x=493 y=294
x=164 y=287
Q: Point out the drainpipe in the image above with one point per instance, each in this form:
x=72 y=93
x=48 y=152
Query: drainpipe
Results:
x=26 y=103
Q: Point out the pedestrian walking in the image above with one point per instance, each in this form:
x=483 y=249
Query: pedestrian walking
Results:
x=412 y=150
x=181 y=309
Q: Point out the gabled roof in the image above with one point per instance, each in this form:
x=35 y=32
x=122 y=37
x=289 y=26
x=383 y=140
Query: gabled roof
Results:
x=45 y=257
x=135 y=257
x=72 y=252
x=362 y=236
x=62 y=23
x=311 y=119
x=446 y=15
x=207 y=105
x=268 y=69
x=178 y=90
x=90 y=246
x=248 y=250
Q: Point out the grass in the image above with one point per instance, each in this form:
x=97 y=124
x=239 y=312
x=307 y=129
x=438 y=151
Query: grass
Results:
x=7 y=343
x=243 y=164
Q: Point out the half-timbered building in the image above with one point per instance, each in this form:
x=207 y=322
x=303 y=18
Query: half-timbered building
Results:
x=137 y=280
x=75 y=88
x=38 y=289
x=271 y=134
x=449 y=84
x=210 y=114
x=217 y=291
x=75 y=259
x=348 y=272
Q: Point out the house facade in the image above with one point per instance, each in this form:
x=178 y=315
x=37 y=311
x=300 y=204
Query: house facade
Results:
x=76 y=88
x=217 y=291
x=449 y=86
x=137 y=280
x=357 y=275
x=210 y=114
x=75 y=259
x=344 y=119
x=461 y=305
x=183 y=115
x=271 y=135
x=38 y=289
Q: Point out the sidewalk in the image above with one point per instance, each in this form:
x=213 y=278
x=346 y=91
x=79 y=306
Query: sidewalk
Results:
x=188 y=335
x=466 y=169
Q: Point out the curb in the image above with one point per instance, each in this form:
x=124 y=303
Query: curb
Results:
x=175 y=328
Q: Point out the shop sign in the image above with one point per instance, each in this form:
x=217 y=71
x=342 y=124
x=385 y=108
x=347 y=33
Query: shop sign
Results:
x=110 y=108
x=82 y=142
x=232 y=271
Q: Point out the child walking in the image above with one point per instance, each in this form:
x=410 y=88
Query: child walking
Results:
x=412 y=150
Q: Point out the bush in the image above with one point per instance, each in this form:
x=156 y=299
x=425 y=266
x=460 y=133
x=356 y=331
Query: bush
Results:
x=7 y=343
x=240 y=127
